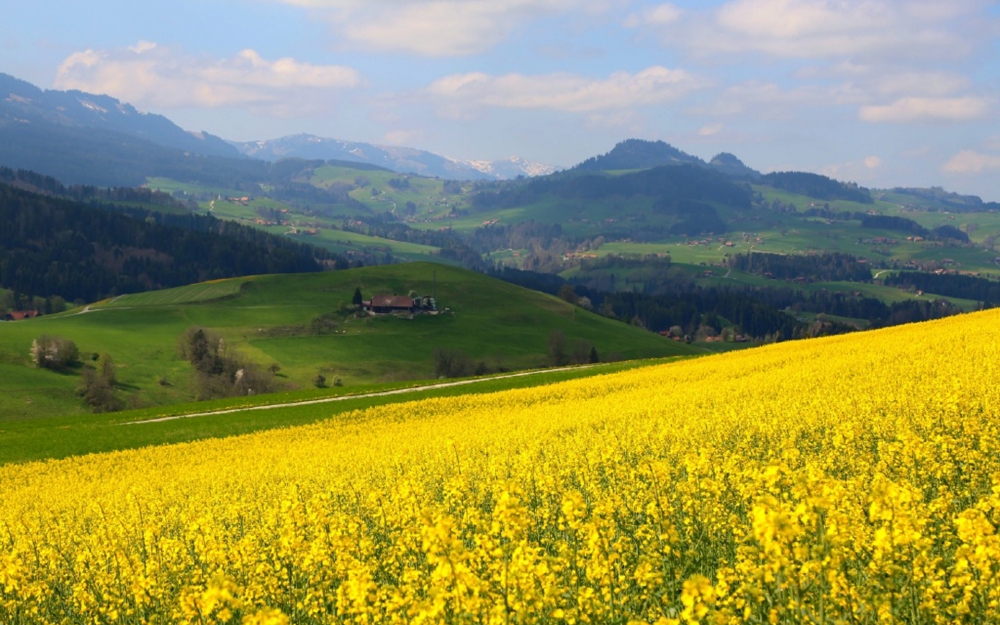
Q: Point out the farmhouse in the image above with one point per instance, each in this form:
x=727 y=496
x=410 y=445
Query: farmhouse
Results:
x=18 y=315
x=385 y=304
x=399 y=304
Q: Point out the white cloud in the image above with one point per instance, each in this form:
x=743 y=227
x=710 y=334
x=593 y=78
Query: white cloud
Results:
x=142 y=46
x=435 y=27
x=915 y=83
x=149 y=75
x=662 y=15
x=918 y=109
x=972 y=162
x=879 y=30
x=565 y=92
x=710 y=129
x=864 y=171
x=768 y=100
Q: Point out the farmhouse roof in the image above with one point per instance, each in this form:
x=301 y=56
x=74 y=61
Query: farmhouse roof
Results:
x=392 y=301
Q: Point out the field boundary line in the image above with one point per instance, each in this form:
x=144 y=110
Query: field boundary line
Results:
x=327 y=400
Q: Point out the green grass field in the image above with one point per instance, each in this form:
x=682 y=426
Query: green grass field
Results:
x=428 y=196
x=269 y=320
x=190 y=294
x=346 y=242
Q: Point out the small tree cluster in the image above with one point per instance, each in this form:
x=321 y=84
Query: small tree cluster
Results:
x=54 y=352
x=12 y=300
x=220 y=371
x=97 y=386
x=454 y=363
x=562 y=353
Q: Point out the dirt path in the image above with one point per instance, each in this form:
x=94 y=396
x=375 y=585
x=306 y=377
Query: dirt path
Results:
x=326 y=400
x=86 y=309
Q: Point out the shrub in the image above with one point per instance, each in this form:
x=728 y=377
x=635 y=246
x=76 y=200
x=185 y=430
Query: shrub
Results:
x=97 y=386
x=54 y=352
x=452 y=363
x=219 y=370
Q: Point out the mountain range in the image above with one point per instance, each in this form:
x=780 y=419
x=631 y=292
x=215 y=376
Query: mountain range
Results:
x=23 y=104
x=35 y=123
x=398 y=159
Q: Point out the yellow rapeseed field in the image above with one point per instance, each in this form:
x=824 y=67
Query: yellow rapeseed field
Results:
x=852 y=479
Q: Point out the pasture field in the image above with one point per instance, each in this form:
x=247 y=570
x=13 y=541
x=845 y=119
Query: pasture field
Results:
x=304 y=324
x=326 y=223
x=849 y=479
x=190 y=294
x=168 y=185
x=378 y=195
x=346 y=242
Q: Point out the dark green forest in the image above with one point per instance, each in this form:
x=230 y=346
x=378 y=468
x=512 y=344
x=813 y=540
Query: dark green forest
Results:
x=817 y=186
x=949 y=284
x=806 y=267
x=55 y=246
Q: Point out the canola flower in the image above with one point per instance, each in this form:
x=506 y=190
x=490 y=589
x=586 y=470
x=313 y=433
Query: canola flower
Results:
x=850 y=479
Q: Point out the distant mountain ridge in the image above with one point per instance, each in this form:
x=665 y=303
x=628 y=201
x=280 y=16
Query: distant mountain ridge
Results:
x=24 y=104
x=642 y=154
x=83 y=138
x=399 y=159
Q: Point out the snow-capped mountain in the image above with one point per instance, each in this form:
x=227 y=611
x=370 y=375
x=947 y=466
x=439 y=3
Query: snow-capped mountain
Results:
x=400 y=159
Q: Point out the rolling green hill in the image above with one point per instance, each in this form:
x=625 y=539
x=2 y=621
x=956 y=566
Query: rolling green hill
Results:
x=305 y=324
x=654 y=200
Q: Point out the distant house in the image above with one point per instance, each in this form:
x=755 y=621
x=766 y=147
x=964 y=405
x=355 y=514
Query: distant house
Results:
x=385 y=304
x=18 y=315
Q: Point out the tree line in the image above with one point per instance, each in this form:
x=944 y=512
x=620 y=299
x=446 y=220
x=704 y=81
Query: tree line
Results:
x=950 y=285
x=817 y=186
x=760 y=314
x=831 y=267
x=54 y=246
x=890 y=222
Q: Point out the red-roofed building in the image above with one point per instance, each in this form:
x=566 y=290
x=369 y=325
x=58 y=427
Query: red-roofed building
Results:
x=18 y=315
x=382 y=304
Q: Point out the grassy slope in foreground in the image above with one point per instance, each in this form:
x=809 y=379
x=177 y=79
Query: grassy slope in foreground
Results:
x=61 y=437
x=851 y=477
x=268 y=318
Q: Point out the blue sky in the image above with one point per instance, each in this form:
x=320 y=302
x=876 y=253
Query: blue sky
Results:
x=884 y=93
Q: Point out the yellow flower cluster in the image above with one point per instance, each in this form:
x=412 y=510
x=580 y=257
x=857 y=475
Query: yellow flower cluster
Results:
x=849 y=479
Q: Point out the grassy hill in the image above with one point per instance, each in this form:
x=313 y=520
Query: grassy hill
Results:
x=304 y=323
x=632 y=213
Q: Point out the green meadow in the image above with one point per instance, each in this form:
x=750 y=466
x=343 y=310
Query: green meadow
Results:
x=305 y=325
